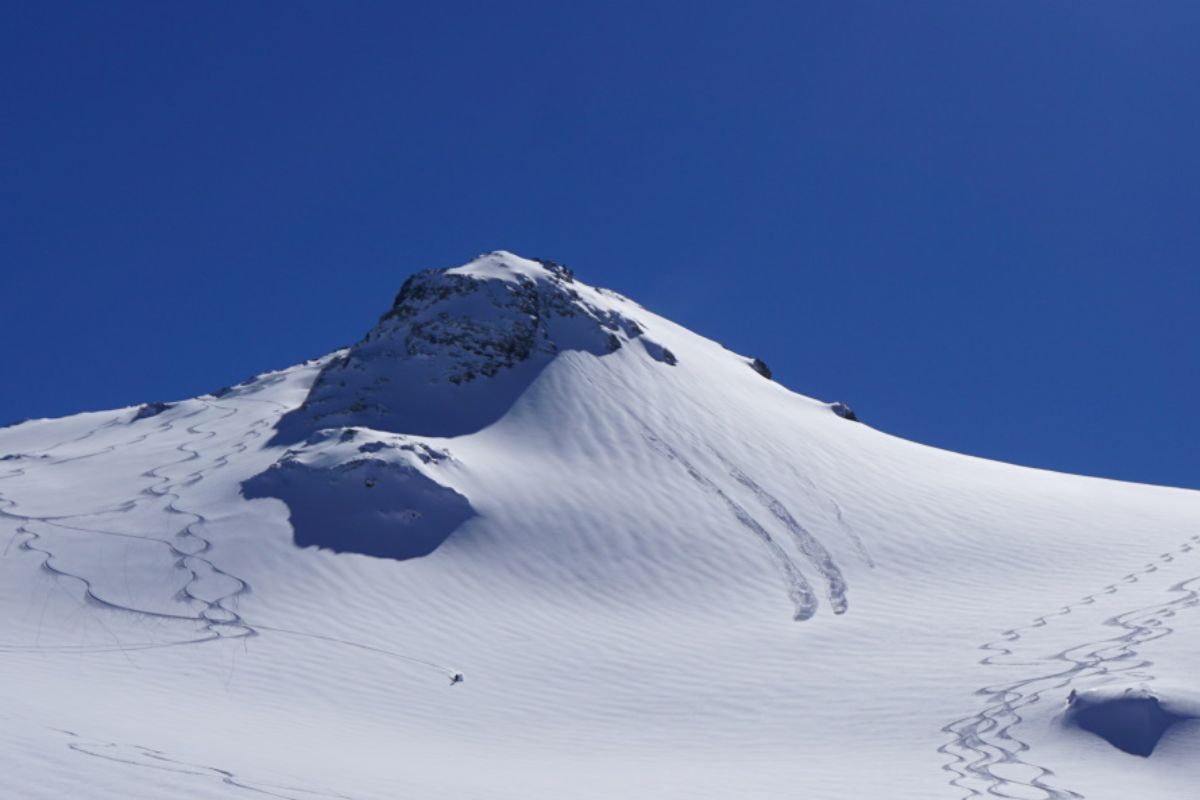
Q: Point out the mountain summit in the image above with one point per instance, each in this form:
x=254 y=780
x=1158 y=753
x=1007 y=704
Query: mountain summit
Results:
x=456 y=350
x=528 y=539
x=459 y=345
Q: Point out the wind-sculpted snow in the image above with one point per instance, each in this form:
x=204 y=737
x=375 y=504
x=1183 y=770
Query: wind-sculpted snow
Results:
x=197 y=591
x=353 y=490
x=171 y=580
x=799 y=590
x=619 y=522
x=365 y=505
x=988 y=757
x=150 y=759
x=809 y=545
x=824 y=500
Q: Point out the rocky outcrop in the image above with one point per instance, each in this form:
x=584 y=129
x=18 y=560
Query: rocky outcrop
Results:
x=844 y=411
x=458 y=346
x=760 y=366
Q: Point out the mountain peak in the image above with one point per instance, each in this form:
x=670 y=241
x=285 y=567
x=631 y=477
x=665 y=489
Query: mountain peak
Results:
x=506 y=266
x=663 y=553
x=459 y=345
x=497 y=277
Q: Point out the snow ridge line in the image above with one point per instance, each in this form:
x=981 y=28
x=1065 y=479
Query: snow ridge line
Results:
x=984 y=740
x=162 y=427
x=800 y=591
x=110 y=424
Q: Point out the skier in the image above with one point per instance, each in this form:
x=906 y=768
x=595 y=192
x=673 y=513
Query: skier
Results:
x=456 y=677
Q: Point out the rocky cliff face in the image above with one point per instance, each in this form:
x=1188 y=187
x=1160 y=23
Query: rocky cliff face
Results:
x=459 y=345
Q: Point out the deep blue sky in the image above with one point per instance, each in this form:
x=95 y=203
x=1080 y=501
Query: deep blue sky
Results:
x=974 y=222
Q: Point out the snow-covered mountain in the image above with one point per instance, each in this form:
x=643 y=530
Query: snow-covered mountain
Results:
x=659 y=573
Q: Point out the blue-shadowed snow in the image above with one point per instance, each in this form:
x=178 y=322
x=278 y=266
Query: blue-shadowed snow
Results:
x=659 y=577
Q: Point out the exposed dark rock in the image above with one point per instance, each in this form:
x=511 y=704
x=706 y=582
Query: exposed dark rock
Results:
x=561 y=270
x=499 y=335
x=844 y=411
x=151 y=410
x=658 y=352
x=425 y=453
x=760 y=366
x=456 y=349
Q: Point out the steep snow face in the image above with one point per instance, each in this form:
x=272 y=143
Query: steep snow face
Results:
x=455 y=351
x=660 y=575
x=460 y=345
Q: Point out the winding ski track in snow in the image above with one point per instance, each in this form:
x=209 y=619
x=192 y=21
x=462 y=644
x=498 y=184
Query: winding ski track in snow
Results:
x=148 y=758
x=217 y=617
x=824 y=498
x=214 y=591
x=808 y=544
x=210 y=593
x=983 y=744
x=800 y=591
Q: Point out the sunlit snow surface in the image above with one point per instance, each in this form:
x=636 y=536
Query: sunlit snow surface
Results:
x=676 y=579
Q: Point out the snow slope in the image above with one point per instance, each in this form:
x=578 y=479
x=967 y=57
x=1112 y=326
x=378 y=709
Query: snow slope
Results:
x=661 y=574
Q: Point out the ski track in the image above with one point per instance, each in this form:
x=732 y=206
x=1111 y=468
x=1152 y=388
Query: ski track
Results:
x=800 y=591
x=110 y=424
x=808 y=544
x=217 y=616
x=984 y=740
x=217 y=620
x=147 y=758
x=826 y=499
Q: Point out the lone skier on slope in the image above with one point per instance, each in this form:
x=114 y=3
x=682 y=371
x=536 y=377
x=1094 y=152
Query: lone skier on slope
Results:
x=456 y=677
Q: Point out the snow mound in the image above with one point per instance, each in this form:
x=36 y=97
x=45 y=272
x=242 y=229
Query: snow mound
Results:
x=364 y=492
x=1133 y=720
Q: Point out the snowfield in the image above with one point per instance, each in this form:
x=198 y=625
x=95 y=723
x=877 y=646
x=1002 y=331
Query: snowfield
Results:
x=661 y=574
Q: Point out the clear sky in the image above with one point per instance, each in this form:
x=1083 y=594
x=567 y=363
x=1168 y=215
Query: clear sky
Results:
x=974 y=222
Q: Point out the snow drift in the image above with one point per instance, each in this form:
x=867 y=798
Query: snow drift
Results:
x=1133 y=721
